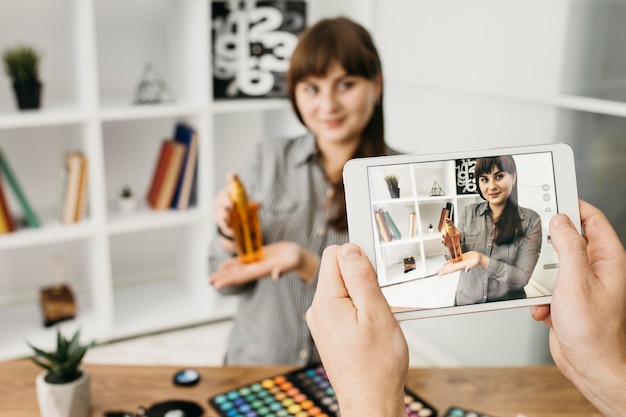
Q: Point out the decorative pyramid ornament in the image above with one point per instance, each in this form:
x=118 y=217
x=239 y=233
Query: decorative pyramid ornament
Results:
x=152 y=88
x=436 y=191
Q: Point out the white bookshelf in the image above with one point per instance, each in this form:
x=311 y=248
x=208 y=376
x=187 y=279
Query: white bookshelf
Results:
x=131 y=273
x=416 y=182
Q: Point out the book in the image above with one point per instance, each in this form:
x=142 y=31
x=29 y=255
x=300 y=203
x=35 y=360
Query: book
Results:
x=82 y=189
x=412 y=223
x=6 y=221
x=31 y=217
x=165 y=152
x=166 y=174
x=73 y=162
x=395 y=232
x=189 y=137
x=383 y=229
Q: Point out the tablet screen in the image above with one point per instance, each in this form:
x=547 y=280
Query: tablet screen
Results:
x=409 y=202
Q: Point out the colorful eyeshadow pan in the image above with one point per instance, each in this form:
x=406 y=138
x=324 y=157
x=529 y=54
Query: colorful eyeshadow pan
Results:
x=462 y=412
x=302 y=393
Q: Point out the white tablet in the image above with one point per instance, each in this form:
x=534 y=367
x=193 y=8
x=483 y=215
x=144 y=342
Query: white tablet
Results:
x=498 y=203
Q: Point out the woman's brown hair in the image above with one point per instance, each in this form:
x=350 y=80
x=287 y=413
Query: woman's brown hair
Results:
x=349 y=44
x=509 y=226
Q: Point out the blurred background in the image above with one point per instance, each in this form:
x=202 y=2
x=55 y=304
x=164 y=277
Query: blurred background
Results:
x=458 y=75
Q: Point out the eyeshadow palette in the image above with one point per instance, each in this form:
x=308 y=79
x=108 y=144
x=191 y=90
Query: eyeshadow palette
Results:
x=462 y=412
x=302 y=393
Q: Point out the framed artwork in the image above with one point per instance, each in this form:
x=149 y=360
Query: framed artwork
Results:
x=252 y=43
x=465 y=178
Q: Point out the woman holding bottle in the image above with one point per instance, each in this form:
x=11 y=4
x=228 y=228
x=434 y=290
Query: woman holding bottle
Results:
x=500 y=241
x=335 y=86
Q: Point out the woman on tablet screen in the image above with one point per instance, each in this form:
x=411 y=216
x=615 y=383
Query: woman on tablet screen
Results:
x=335 y=86
x=500 y=240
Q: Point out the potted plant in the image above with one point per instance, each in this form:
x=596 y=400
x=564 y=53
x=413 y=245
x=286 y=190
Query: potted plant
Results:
x=21 y=63
x=392 y=185
x=63 y=387
x=126 y=201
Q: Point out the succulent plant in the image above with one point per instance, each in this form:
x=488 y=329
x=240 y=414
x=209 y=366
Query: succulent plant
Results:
x=63 y=365
x=21 y=63
x=126 y=192
x=392 y=181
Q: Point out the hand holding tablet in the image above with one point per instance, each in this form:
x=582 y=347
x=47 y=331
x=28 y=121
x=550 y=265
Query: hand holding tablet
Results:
x=499 y=200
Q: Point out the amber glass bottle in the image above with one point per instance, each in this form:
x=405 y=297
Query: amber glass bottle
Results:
x=452 y=240
x=244 y=220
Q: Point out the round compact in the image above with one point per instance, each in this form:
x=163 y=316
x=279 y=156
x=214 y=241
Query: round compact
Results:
x=186 y=377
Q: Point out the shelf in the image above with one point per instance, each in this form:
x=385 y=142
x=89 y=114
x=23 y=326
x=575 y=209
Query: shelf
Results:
x=47 y=117
x=249 y=105
x=47 y=235
x=563 y=101
x=146 y=219
x=23 y=323
x=123 y=112
x=162 y=305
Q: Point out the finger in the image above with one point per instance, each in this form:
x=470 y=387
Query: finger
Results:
x=571 y=249
x=330 y=283
x=359 y=277
x=603 y=240
x=275 y=273
x=540 y=312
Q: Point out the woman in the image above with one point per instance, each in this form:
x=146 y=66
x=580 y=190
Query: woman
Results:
x=500 y=240
x=335 y=86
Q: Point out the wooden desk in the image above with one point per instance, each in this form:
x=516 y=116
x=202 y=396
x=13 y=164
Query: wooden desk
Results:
x=501 y=392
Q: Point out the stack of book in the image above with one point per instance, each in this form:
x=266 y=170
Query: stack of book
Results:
x=387 y=228
x=174 y=174
x=7 y=222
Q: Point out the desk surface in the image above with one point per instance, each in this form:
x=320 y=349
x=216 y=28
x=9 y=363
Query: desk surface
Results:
x=501 y=392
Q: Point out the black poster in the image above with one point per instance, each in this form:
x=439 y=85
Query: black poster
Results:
x=465 y=178
x=252 y=42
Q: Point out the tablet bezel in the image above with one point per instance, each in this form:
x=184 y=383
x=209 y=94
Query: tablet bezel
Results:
x=361 y=222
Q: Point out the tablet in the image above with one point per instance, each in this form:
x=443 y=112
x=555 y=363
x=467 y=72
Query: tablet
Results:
x=461 y=232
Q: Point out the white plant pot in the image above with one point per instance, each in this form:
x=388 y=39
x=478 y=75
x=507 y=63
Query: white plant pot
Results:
x=63 y=400
x=127 y=205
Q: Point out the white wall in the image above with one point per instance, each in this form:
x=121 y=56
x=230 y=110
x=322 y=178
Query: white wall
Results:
x=447 y=65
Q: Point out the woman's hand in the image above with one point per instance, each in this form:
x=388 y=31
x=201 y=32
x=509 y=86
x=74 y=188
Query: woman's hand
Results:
x=468 y=261
x=278 y=258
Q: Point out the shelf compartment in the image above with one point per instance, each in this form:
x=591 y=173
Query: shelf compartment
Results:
x=44 y=148
x=122 y=142
x=160 y=280
x=165 y=50
x=20 y=283
x=48 y=26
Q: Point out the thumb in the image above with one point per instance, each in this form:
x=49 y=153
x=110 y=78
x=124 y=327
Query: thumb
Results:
x=359 y=277
x=571 y=248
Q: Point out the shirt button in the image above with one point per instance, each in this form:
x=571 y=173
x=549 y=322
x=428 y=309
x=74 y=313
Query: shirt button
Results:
x=321 y=231
x=304 y=354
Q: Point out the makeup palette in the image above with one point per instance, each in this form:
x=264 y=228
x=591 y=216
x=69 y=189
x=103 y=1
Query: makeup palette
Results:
x=462 y=412
x=305 y=392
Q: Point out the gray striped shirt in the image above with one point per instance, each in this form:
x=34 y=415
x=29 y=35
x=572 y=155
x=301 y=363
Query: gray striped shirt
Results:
x=270 y=326
x=510 y=265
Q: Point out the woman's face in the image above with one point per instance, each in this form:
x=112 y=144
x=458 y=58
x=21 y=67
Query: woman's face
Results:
x=337 y=106
x=496 y=187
